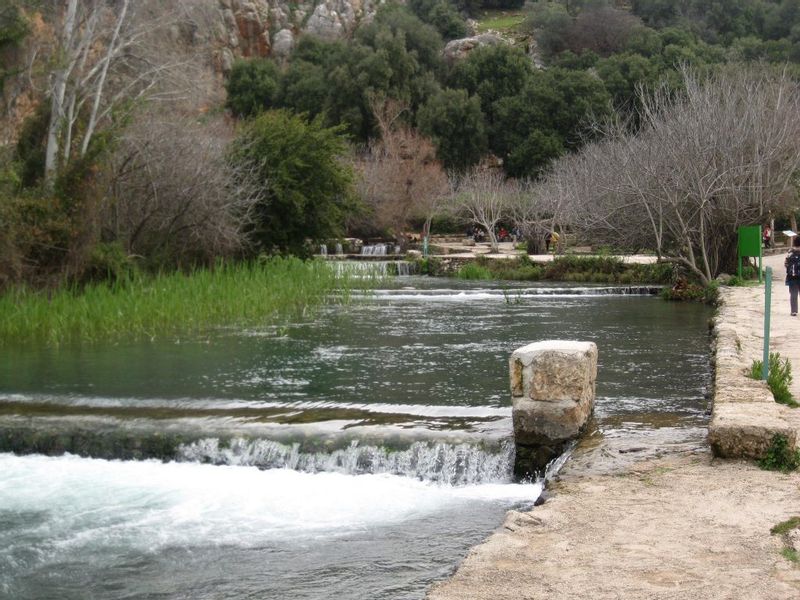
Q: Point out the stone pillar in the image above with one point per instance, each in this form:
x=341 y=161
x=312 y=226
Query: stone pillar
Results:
x=552 y=396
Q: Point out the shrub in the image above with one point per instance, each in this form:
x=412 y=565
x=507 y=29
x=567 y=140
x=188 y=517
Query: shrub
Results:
x=253 y=86
x=783 y=529
x=692 y=292
x=473 y=270
x=779 y=456
x=779 y=377
x=108 y=261
x=307 y=187
x=430 y=266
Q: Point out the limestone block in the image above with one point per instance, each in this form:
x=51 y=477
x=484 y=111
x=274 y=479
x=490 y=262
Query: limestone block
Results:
x=745 y=429
x=554 y=370
x=542 y=423
x=552 y=389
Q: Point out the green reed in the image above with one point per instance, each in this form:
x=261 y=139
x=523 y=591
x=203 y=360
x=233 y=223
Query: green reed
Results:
x=155 y=306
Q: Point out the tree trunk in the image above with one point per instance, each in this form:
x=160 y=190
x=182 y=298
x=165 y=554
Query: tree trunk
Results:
x=57 y=93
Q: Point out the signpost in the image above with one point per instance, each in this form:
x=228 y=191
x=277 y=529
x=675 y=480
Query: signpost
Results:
x=750 y=245
x=767 y=309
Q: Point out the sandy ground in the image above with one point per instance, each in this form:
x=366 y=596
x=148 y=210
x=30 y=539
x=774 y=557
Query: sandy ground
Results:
x=682 y=527
x=679 y=526
x=784 y=329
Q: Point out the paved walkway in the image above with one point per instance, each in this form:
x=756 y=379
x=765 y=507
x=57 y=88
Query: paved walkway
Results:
x=785 y=329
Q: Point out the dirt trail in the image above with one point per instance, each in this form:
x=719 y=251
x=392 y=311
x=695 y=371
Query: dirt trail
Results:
x=682 y=527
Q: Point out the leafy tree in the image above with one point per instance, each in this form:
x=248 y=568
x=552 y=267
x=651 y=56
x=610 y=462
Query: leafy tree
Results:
x=13 y=25
x=533 y=153
x=657 y=13
x=307 y=188
x=442 y=15
x=499 y=4
x=253 y=86
x=782 y=20
x=644 y=41
x=30 y=153
x=304 y=88
x=395 y=56
x=467 y=7
x=551 y=23
x=622 y=73
x=454 y=121
x=579 y=62
x=420 y=40
x=547 y=117
x=491 y=73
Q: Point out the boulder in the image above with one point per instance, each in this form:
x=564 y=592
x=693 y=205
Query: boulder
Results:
x=456 y=50
x=283 y=43
x=552 y=391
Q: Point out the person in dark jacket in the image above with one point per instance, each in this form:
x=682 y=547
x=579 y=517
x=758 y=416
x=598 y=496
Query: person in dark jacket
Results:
x=792 y=264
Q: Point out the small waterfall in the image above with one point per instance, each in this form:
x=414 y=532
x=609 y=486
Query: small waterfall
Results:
x=339 y=249
x=376 y=268
x=448 y=464
x=405 y=268
x=397 y=250
x=375 y=250
x=323 y=249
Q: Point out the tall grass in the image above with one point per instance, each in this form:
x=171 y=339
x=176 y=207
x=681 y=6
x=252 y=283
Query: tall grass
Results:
x=144 y=306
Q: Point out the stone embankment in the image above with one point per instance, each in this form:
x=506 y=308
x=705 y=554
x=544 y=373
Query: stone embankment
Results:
x=745 y=416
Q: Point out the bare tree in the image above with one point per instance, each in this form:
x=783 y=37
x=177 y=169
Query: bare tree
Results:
x=720 y=154
x=108 y=55
x=604 y=30
x=173 y=194
x=484 y=196
x=401 y=179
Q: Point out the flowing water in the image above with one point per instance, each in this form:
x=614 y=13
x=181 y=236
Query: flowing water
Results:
x=355 y=455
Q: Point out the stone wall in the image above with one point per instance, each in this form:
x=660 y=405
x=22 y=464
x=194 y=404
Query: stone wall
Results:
x=745 y=416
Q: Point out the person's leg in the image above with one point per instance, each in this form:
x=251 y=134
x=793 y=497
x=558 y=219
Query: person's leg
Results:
x=794 y=288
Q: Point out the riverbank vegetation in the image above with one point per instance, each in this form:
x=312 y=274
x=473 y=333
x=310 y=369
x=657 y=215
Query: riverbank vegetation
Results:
x=569 y=268
x=780 y=456
x=244 y=294
x=779 y=378
x=784 y=529
x=641 y=128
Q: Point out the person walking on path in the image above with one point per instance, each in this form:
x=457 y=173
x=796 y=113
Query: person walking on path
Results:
x=792 y=264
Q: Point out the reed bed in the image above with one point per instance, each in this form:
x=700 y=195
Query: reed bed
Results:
x=147 y=306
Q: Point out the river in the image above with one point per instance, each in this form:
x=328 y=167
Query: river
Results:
x=356 y=454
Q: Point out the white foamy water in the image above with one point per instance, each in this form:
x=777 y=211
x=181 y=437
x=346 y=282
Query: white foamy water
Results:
x=149 y=505
x=510 y=294
x=75 y=528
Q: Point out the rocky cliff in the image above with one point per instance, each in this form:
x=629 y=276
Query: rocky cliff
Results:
x=270 y=27
x=209 y=34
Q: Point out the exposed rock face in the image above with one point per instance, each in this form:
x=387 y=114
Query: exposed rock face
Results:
x=252 y=28
x=552 y=395
x=459 y=49
x=283 y=43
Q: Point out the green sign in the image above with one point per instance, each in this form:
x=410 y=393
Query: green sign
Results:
x=750 y=245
